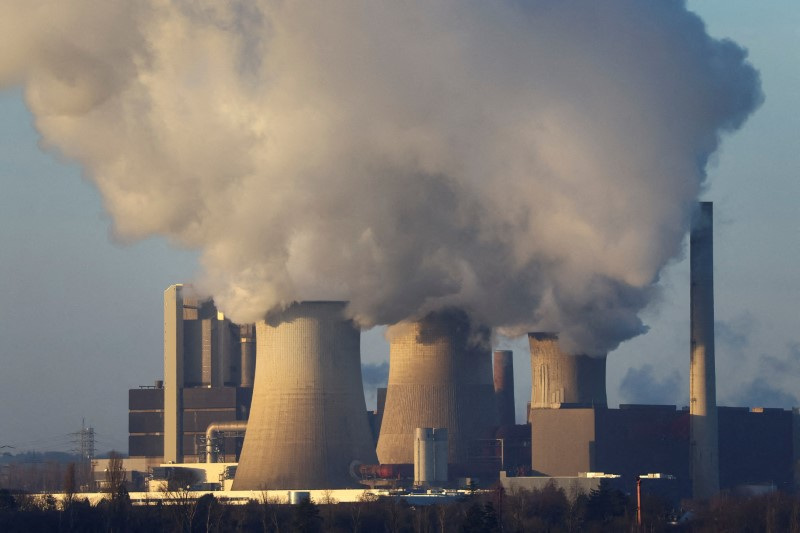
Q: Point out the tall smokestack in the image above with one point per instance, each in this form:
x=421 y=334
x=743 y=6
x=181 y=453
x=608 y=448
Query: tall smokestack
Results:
x=308 y=420
x=440 y=375
x=703 y=390
x=504 y=387
x=558 y=377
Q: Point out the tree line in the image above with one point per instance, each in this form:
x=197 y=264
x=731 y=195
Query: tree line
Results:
x=549 y=509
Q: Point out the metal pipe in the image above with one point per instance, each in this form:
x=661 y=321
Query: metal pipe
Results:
x=639 y=502
x=216 y=427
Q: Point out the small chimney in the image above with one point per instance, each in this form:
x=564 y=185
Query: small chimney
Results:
x=504 y=387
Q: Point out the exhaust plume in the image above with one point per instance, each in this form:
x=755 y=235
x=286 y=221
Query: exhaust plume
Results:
x=532 y=162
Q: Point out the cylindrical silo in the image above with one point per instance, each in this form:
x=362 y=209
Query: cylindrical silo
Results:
x=504 y=387
x=440 y=376
x=308 y=419
x=430 y=456
x=558 y=377
x=424 y=457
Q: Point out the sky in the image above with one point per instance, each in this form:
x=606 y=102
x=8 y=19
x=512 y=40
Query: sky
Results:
x=80 y=311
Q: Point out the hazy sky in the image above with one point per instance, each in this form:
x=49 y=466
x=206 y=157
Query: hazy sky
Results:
x=80 y=319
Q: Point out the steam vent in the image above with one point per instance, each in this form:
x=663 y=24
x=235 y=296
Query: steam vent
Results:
x=440 y=375
x=308 y=418
x=558 y=377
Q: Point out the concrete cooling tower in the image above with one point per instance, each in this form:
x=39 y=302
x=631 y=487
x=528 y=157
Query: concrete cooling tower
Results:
x=558 y=377
x=308 y=421
x=440 y=375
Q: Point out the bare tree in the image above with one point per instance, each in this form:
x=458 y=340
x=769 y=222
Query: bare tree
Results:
x=180 y=500
x=69 y=495
x=269 y=512
x=357 y=508
x=441 y=514
x=115 y=474
x=69 y=485
x=328 y=501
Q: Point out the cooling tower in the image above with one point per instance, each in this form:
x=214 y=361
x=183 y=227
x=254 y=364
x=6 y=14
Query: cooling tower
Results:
x=504 y=387
x=704 y=438
x=440 y=376
x=558 y=377
x=308 y=419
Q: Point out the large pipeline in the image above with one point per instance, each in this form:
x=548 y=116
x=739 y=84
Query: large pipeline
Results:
x=216 y=427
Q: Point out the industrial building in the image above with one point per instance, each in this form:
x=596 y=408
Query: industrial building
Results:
x=209 y=365
x=706 y=448
x=756 y=445
x=447 y=411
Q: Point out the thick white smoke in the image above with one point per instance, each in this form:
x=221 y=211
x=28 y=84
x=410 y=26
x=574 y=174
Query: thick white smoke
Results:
x=533 y=162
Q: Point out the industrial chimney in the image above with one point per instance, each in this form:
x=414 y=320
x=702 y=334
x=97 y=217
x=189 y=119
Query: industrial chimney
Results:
x=247 y=333
x=558 y=377
x=308 y=423
x=504 y=387
x=703 y=429
x=440 y=376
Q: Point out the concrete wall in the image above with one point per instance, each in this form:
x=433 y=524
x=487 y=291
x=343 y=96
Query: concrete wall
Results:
x=562 y=441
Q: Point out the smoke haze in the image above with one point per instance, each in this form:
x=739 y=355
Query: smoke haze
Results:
x=532 y=162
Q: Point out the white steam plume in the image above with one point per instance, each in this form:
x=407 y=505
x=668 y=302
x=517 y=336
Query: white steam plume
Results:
x=533 y=162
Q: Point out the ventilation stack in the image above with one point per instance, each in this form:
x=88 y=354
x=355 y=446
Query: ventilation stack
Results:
x=558 y=377
x=703 y=429
x=504 y=387
x=440 y=376
x=308 y=420
x=247 y=333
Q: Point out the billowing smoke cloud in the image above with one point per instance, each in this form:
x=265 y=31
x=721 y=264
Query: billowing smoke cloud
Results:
x=532 y=162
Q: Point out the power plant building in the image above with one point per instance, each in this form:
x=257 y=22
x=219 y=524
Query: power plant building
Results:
x=756 y=445
x=208 y=367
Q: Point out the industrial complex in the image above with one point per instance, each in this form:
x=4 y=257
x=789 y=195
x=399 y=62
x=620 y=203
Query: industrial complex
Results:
x=279 y=405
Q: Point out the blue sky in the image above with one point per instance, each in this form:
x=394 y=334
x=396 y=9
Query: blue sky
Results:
x=80 y=318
